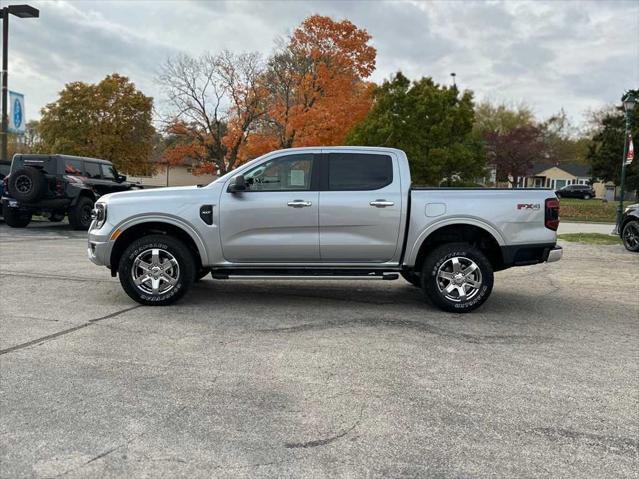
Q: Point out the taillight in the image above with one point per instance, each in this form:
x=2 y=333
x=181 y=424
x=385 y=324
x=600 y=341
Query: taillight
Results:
x=552 y=214
x=59 y=187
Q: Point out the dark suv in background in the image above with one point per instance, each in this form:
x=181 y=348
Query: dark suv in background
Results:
x=58 y=185
x=584 y=192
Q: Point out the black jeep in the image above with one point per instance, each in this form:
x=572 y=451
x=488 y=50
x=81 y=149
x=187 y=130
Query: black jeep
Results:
x=58 y=185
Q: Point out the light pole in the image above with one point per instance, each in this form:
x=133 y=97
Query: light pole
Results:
x=20 y=11
x=629 y=102
x=454 y=82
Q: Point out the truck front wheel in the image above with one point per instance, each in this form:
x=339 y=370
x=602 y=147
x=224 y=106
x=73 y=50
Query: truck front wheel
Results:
x=156 y=270
x=457 y=277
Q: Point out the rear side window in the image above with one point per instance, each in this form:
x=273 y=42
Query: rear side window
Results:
x=48 y=164
x=359 y=171
x=92 y=169
x=72 y=167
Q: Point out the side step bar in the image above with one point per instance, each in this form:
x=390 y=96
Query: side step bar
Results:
x=302 y=274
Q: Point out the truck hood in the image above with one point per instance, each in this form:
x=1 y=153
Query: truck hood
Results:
x=136 y=195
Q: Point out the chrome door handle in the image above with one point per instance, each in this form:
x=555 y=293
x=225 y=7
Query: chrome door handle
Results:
x=381 y=203
x=299 y=204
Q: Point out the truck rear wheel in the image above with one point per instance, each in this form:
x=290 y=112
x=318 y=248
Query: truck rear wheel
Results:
x=156 y=270
x=457 y=277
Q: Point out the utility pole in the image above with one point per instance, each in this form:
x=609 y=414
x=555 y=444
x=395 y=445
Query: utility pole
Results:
x=20 y=11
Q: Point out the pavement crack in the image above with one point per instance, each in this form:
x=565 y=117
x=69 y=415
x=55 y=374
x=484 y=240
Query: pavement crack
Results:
x=67 y=331
x=54 y=276
x=414 y=325
x=610 y=444
x=327 y=440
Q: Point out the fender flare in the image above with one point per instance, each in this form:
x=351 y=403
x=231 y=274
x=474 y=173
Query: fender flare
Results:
x=173 y=221
x=411 y=258
x=84 y=191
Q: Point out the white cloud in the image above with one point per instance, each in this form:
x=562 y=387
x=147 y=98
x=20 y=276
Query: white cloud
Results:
x=576 y=55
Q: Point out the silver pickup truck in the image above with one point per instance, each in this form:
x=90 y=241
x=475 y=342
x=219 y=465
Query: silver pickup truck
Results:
x=323 y=212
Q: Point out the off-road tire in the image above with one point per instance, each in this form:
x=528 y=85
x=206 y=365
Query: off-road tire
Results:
x=630 y=235
x=27 y=184
x=186 y=264
x=80 y=214
x=15 y=218
x=412 y=277
x=440 y=257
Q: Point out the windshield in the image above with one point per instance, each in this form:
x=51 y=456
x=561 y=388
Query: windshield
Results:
x=233 y=172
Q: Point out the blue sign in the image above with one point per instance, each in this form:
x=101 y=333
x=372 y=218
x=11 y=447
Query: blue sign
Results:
x=16 y=113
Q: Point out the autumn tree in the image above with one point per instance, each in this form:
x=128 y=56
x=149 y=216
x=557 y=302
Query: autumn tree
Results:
x=514 y=152
x=431 y=123
x=214 y=102
x=109 y=120
x=27 y=142
x=316 y=84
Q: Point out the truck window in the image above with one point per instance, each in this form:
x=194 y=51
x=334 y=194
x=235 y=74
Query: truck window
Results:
x=48 y=164
x=92 y=169
x=72 y=167
x=108 y=172
x=359 y=171
x=286 y=173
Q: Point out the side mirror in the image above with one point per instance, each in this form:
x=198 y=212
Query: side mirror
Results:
x=238 y=184
x=121 y=178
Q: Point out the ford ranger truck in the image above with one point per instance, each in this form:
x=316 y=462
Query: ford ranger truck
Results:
x=323 y=212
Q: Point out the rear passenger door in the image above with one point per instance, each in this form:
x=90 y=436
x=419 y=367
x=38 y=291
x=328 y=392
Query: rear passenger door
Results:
x=360 y=208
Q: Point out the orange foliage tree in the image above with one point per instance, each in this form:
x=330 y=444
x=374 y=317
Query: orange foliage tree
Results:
x=228 y=108
x=316 y=85
x=214 y=103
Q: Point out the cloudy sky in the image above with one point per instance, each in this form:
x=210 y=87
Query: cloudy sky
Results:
x=572 y=54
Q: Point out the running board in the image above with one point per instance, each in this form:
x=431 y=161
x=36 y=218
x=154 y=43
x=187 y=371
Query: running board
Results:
x=302 y=274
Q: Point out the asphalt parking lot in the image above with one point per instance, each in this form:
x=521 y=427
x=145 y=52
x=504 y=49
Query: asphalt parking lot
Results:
x=315 y=378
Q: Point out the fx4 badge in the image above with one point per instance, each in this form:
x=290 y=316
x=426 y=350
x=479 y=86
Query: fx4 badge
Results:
x=528 y=206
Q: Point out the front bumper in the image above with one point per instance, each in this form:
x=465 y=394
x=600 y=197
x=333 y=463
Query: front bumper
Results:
x=99 y=248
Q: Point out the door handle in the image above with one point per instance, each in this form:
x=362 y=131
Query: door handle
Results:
x=381 y=203
x=299 y=204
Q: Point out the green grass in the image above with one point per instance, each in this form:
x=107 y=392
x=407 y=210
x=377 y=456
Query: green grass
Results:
x=590 y=238
x=595 y=211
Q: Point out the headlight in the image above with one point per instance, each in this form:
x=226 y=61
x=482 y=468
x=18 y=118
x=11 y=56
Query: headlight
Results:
x=99 y=214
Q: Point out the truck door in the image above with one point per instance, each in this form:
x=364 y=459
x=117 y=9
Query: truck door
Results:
x=276 y=219
x=360 y=207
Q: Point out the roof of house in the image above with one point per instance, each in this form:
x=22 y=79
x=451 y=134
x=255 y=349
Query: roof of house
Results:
x=575 y=169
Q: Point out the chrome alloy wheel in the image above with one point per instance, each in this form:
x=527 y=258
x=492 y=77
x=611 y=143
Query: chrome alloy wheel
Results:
x=23 y=184
x=459 y=279
x=155 y=271
x=631 y=235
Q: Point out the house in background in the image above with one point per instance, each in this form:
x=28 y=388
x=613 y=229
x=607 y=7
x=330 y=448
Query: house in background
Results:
x=180 y=175
x=544 y=175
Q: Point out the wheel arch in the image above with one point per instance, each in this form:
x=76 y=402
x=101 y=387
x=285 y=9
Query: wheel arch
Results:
x=84 y=193
x=157 y=225
x=484 y=237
